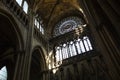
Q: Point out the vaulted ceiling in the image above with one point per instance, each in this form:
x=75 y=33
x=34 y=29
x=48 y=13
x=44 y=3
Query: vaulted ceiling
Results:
x=52 y=11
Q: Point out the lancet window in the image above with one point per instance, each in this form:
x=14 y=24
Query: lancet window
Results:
x=39 y=24
x=23 y=4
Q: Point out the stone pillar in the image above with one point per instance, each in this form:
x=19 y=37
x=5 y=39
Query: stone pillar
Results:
x=99 y=15
x=23 y=62
x=28 y=53
x=19 y=66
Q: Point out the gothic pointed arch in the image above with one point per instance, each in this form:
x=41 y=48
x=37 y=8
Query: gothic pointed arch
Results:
x=38 y=64
x=11 y=43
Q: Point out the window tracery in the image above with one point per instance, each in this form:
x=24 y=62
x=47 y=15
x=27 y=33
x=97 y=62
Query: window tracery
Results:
x=39 y=24
x=75 y=46
x=66 y=25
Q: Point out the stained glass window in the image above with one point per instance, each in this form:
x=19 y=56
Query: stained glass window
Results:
x=73 y=48
x=66 y=25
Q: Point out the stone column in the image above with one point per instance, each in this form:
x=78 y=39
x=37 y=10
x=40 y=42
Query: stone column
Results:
x=99 y=14
x=28 y=53
x=23 y=62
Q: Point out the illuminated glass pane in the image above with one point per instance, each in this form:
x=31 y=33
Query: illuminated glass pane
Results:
x=38 y=24
x=42 y=30
x=3 y=73
x=82 y=47
x=19 y=2
x=74 y=50
x=67 y=25
x=25 y=7
x=86 y=45
x=65 y=50
x=60 y=54
x=89 y=43
x=35 y=22
x=78 y=47
x=70 y=49
x=57 y=55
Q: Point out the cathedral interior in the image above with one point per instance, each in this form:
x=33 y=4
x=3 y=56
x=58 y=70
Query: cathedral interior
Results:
x=59 y=40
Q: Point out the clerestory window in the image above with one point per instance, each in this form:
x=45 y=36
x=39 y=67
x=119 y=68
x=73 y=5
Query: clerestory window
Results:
x=23 y=4
x=75 y=46
x=19 y=2
x=25 y=7
x=39 y=24
x=66 y=25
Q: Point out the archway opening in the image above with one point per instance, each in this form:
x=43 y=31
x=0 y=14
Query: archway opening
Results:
x=8 y=45
x=37 y=65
